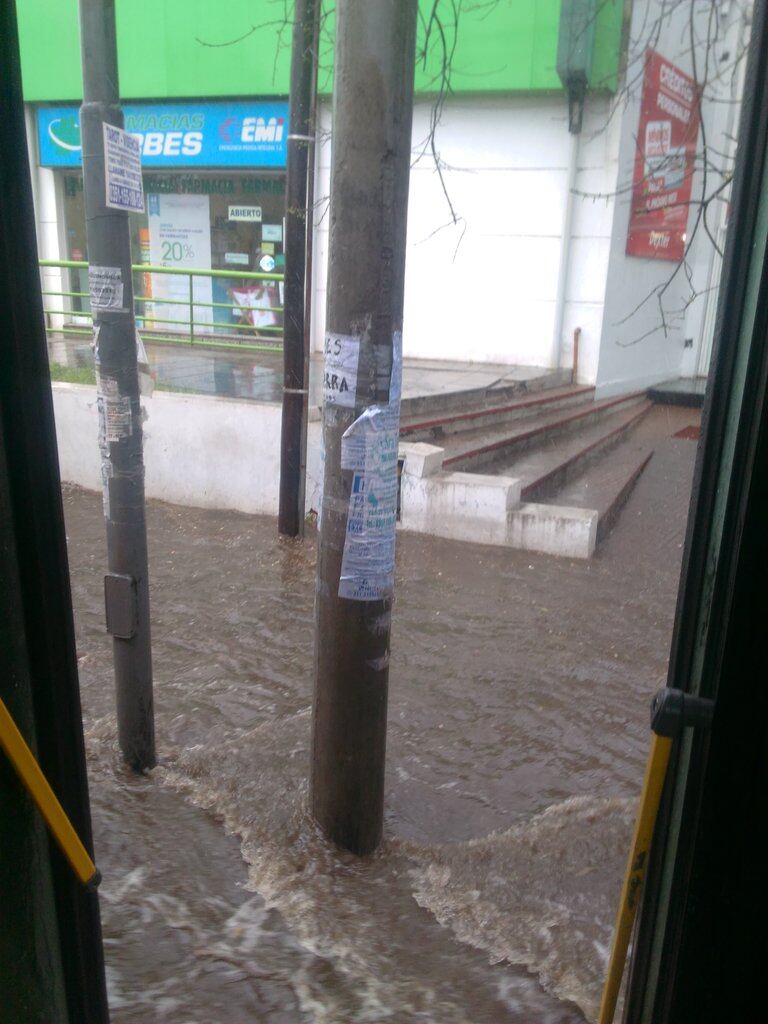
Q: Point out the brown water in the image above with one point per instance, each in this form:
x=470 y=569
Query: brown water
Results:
x=517 y=733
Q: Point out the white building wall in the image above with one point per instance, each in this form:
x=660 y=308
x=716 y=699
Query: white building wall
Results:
x=639 y=345
x=726 y=88
x=484 y=289
x=594 y=203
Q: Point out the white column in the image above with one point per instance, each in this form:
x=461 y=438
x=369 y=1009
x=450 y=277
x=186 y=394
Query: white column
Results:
x=321 y=220
x=565 y=252
x=47 y=225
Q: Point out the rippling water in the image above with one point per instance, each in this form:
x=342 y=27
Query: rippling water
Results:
x=517 y=731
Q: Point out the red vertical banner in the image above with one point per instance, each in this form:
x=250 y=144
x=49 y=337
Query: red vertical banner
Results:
x=664 y=161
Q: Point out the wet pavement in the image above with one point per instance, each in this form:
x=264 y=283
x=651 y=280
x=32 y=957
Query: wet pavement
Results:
x=518 y=729
x=258 y=376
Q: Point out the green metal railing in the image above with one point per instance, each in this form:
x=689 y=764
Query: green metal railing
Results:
x=267 y=337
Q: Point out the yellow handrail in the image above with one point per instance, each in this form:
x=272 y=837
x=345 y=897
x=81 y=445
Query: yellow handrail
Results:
x=28 y=770
x=650 y=797
x=672 y=711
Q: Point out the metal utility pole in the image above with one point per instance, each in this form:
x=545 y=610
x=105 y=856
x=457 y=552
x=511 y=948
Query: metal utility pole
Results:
x=301 y=153
x=373 y=102
x=126 y=586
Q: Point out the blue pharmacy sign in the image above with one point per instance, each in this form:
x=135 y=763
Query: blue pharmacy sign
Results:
x=179 y=135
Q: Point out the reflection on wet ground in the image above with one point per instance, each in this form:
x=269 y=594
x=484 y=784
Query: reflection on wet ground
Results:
x=517 y=733
x=258 y=376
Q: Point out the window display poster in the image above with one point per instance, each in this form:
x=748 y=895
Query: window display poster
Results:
x=664 y=161
x=180 y=237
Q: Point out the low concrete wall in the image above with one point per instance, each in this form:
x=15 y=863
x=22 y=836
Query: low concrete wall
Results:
x=198 y=450
x=486 y=509
x=459 y=506
x=553 y=530
x=209 y=452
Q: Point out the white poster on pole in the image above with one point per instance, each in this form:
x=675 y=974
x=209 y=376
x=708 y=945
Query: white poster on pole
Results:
x=180 y=237
x=122 y=170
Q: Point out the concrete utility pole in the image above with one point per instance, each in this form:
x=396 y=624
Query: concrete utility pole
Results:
x=126 y=585
x=373 y=103
x=301 y=151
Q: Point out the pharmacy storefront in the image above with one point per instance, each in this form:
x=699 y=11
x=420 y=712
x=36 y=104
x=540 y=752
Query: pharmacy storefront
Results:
x=214 y=182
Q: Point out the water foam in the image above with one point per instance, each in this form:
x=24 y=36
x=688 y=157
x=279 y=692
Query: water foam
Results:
x=333 y=904
x=520 y=896
x=523 y=895
x=541 y=894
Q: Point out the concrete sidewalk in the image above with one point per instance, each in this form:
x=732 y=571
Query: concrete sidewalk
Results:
x=257 y=376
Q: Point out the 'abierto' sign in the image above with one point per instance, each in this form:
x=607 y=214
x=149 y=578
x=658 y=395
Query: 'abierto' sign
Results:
x=122 y=170
x=247 y=213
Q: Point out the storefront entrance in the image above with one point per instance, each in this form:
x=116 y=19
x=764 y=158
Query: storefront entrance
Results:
x=228 y=218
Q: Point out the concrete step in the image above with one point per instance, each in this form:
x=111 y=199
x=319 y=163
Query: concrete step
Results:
x=687 y=393
x=606 y=484
x=512 y=383
x=499 y=450
x=544 y=472
x=560 y=495
x=435 y=429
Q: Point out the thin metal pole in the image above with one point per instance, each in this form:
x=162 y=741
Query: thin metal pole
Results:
x=290 y=520
x=575 y=362
x=120 y=430
x=373 y=105
x=308 y=267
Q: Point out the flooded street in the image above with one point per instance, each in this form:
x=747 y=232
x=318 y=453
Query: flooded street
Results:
x=518 y=728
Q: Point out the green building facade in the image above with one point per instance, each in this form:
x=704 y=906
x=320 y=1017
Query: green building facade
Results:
x=174 y=49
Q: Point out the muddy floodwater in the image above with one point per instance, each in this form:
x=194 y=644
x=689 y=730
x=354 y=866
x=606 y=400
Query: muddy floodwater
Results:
x=518 y=728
